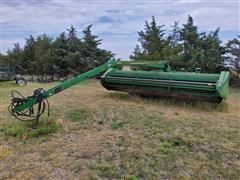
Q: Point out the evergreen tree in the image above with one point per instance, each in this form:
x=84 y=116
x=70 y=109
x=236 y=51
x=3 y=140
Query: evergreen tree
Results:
x=211 y=59
x=74 y=43
x=43 y=63
x=74 y=47
x=92 y=55
x=29 y=55
x=200 y=50
x=90 y=41
x=138 y=54
x=67 y=54
x=154 y=46
x=191 y=53
x=174 y=37
x=233 y=60
x=60 y=55
x=233 y=56
x=15 y=58
x=176 y=47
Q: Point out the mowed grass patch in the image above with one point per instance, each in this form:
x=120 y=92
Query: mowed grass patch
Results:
x=78 y=115
x=111 y=135
x=4 y=152
x=168 y=147
x=117 y=125
x=25 y=130
x=107 y=170
x=82 y=116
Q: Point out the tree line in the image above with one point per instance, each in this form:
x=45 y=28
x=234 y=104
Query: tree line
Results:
x=64 y=55
x=184 y=47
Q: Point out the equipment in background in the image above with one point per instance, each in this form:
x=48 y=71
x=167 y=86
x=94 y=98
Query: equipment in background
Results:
x=190 y=85
x=162 y=66
x=8 y=73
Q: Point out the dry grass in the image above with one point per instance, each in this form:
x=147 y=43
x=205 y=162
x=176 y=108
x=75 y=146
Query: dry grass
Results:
x=102 y=134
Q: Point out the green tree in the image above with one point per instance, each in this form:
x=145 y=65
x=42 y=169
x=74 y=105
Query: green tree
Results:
x=201 y=50
x=74 y=43
x=233 y=60
x=233 y=56
x=93 y=55
x=64 y=55
x=43 y=63
x=191 y=50
x=212 y=57
x=15 y=58
x=74 y=52
x=174 y=37
x=154 y=46
x=176 y=47
x=60 y=55
x=29 y=55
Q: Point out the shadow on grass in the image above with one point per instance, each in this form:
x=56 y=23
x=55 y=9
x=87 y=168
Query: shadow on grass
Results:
x=171 y=101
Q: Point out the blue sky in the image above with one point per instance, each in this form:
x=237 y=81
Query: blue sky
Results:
x=115 y=21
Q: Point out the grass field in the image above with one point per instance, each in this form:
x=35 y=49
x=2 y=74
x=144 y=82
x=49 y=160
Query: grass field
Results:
x=96 y=134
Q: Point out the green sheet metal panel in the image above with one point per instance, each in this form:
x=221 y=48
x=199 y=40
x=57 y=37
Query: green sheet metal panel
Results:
x=144 y=66
x=181 y=76
x=171 y=83
x=222 y=84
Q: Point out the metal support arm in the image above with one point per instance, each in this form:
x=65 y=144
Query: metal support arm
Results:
x=20 y=107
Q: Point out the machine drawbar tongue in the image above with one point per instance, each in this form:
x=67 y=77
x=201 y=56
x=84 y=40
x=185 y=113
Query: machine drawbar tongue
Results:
x=31 y=108
x=32 y=113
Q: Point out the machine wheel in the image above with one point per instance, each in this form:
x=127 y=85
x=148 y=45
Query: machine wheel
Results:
x=21 y=81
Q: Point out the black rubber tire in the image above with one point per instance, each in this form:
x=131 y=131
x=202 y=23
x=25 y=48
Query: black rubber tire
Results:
x=21 y=81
